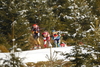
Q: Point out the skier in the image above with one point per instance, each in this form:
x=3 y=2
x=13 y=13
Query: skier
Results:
x=46 y=38
x=56 y=38
x=35 y=31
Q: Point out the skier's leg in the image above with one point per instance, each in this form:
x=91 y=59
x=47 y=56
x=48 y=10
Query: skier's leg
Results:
x=38 y=40
x=58 y=42
x=55 y=41
x=45 y=42
x=49 y=43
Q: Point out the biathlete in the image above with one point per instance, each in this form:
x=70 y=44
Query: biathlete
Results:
x=46 y=38
x=56 y=38
x=36 y=33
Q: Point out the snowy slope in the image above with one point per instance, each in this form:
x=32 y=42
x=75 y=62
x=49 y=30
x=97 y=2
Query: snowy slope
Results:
x=38 y=55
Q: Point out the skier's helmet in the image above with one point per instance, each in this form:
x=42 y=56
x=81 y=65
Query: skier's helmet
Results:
x=35 y=25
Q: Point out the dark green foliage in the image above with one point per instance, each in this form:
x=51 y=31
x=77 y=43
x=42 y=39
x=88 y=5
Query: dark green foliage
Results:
x=49 y=15
x=96 y=9
x=76 y=53
x=22 y=32
x=14 y=61
x=11 y=11
x=81 y=58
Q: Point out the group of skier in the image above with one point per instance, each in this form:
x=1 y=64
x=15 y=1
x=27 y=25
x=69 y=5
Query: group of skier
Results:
x=46 y=36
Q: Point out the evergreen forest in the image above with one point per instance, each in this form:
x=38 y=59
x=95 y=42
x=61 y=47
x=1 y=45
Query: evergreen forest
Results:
x=79 y=18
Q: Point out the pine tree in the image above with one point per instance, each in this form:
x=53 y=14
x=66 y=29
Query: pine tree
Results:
x=59 y=9
x=40 y=13
x=93 y=39
x=95 y=4
x=81 y=18
x=87 y=30
x=11 y=11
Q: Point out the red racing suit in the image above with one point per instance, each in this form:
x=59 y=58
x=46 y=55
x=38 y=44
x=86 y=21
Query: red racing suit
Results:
x=46 y=38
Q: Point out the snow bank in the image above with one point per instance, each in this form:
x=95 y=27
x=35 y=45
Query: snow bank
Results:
x=37 y=55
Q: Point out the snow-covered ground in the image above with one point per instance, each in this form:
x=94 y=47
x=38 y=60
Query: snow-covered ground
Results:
x=39 y=54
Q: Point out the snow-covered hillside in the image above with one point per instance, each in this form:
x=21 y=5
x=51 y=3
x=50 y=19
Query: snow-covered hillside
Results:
x=38 y=55
x=42 y=54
